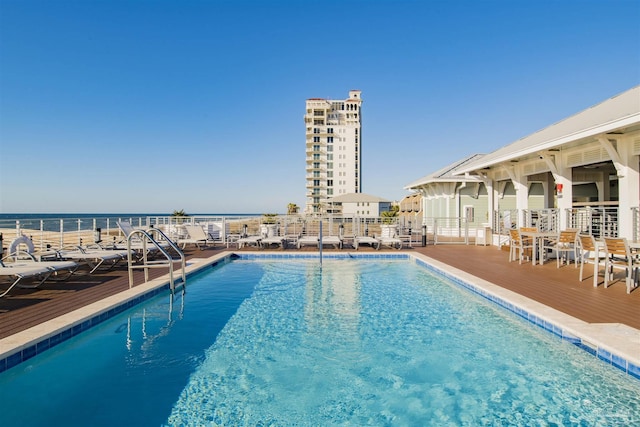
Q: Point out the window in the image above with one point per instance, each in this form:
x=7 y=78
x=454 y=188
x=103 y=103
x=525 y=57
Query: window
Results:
x=316 y=148
x=468 y=213
x=329 y=156
x=329 y=165
x=329 y=130
x=316 y=157
x=330 y=183
x=316 y=139
x=316 y=130
x=330 y=139
x=316 y=182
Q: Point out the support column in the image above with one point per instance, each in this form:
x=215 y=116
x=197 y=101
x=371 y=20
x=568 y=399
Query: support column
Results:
x=563 y=185
x=628 y=169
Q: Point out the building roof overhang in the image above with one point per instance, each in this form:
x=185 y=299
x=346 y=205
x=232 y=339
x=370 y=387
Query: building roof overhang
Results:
x=620 y=114
x=446 y=174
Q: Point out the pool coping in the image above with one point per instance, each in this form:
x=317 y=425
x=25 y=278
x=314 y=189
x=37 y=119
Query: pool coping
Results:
x=613 y=343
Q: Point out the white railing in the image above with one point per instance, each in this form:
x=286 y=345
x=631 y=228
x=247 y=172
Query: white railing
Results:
x=599 y=221
x=542 y=219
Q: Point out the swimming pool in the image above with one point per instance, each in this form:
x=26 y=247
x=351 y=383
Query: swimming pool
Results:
x=357 y=342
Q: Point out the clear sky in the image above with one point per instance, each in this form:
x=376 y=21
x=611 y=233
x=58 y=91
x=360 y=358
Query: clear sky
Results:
x=112 y=106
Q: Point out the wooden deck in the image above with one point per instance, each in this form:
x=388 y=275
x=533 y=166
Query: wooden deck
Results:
x=557 y=288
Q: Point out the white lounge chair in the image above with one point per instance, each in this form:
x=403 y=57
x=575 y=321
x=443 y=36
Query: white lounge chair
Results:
x=249 y=241
x=18 y=273
x=137 y=243
x=392 y=242
x=94 y=258
x=308 y=241
x=335 y=241
x=281 y=241
x=197 y=236
x=18 y=257
x=366 y=240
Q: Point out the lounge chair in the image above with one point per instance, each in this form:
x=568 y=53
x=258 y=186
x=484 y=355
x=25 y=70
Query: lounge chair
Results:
x=335 y=241
x=28 y=258
x=308 y=241
x=392 y=242
x=366 y=240
x=92 y=257
x=136 y=242
x=254 y=240
x=197 y=236
x=19 y=272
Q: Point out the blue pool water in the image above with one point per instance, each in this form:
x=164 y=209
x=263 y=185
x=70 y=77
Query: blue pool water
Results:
x=358 y=342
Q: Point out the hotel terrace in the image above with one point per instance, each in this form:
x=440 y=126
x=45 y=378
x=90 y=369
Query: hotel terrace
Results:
x=581 y=173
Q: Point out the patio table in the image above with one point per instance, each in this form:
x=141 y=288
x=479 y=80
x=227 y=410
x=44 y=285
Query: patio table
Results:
x=538 y=238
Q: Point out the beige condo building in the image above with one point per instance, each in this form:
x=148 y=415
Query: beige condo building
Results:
x=333 y=150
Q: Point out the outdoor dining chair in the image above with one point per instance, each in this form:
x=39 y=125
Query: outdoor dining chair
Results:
x=590 y=252
x=618 y=255
x=519 y=246
x=564 y=245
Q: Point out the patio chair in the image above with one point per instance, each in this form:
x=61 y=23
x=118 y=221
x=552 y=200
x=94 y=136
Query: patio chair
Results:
x=366 y=240
x=618 y=255
x=590 y=252
x=335 y=241
x=29 y=258
x=249 y=240
x=196 y=236
x=137 y=243
x=519 y=246
x=389 y=237
x=19 y=272
x=563 y=245
x=275 y=239
x=308 y=241
x=392 y=242
x=93 y=257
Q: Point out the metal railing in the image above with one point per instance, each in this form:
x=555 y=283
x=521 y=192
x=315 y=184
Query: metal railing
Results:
x=158 y=240
x=599 y=221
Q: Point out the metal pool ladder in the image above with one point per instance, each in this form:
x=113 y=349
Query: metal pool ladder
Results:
x=154 y=237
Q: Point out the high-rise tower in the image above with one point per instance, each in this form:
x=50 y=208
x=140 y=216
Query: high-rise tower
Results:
x=334 y=150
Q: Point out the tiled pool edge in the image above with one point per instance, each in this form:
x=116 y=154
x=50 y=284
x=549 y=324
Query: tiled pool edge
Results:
x=20 y=353
x=21 y=348
x=604 y=353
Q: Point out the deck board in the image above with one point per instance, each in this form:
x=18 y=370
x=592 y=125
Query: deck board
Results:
x=557 y=288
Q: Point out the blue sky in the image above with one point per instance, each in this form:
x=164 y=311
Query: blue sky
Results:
x=111 y=106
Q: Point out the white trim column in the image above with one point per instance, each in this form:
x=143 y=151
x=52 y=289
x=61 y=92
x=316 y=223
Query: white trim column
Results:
x=563 y=179
x=521 y=186
x=627 y=167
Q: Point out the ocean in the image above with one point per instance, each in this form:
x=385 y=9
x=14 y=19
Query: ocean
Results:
x=83 y=221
